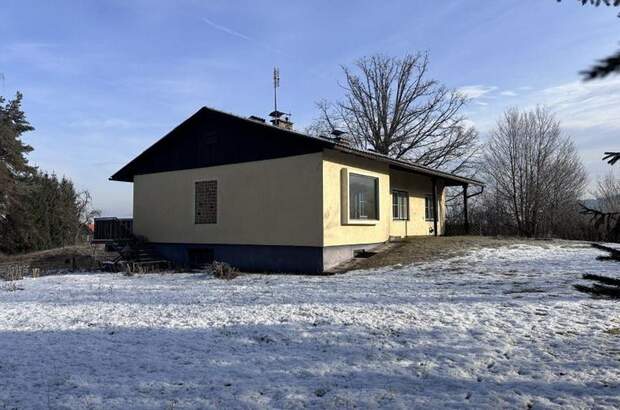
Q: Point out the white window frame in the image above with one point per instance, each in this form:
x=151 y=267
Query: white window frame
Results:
x=345 y=206
x=401 y=192
x=429 y=198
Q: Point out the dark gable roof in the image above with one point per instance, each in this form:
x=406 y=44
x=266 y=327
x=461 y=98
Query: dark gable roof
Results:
x=211 y=137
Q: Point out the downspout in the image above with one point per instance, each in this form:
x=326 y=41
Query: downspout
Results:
x=435 y=215
x=465 y=218
x=465 y=198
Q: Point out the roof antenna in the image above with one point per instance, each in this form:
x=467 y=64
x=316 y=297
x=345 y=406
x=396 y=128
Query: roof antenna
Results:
x=279 y=119
x=276 y=85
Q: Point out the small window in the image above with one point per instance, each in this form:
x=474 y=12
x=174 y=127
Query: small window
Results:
x=205 y=206
x=363 y=197
x=429 y=208
x=400 y=205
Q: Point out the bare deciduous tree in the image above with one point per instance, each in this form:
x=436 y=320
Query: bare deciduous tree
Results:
x=608 y=193
x=605 y=214
x=392 y=108
x=86 y=213
x=533 y=171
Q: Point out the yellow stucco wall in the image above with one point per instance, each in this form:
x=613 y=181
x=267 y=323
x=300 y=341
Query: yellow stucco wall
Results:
x=271 y=202
x=335 y=233
x=418 y=187
x=294 y=201
x=338 y=233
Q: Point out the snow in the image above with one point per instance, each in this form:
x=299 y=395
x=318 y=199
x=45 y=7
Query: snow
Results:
x=494 y=328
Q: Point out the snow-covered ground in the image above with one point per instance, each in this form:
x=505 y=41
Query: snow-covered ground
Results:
x=495 y=328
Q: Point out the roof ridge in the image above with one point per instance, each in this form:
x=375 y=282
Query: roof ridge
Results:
x=328 y=143
x=329 y=140
x=264 y=124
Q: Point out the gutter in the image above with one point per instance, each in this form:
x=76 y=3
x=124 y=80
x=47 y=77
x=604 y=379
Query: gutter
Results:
x=476 y=193
x=408 y=165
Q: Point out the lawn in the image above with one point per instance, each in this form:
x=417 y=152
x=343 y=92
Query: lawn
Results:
x=497 y=326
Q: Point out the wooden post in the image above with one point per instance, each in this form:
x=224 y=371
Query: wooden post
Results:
x=435 y=206
x=465 y=216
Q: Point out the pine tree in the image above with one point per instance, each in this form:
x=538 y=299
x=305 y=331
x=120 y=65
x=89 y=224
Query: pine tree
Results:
x=14 y=169
x=37 y=210
x=13 y=161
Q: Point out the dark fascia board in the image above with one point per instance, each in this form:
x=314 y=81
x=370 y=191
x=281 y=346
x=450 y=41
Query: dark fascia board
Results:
x=125 y=174
x=410 y=166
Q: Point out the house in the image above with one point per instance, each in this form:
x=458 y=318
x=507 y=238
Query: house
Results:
x=263 y=197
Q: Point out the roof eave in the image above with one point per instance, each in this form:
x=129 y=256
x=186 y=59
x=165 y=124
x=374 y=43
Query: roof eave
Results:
x=126 y=174
x=459 y=180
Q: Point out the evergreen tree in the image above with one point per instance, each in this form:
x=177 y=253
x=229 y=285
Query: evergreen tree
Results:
x=51 y=213
x=37 y=210
x=13 y=161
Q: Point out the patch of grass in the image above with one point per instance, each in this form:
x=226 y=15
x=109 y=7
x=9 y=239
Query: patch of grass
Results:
x=418 y=249
x=78 y=257
x=614 y=331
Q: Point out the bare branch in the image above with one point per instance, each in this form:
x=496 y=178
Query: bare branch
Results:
x=391 y=107
x=532 y=170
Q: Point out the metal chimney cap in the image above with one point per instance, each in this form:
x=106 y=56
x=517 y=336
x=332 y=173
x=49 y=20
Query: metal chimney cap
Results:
x=277 y=114
x=337 y=132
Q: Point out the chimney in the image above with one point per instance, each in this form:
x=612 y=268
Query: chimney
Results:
x=337 y=137
x=256 y=118
x=281 y=120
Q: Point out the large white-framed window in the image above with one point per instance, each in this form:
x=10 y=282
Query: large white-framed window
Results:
x=363 y=197
x=359 y=198
x=429 y=208
x=400 y=205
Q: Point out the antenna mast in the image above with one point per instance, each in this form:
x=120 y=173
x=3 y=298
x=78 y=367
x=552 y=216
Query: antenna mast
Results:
x=276 y=85
x=279 y=119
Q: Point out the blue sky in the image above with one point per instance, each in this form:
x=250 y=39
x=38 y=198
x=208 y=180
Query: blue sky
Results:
x=102 y=80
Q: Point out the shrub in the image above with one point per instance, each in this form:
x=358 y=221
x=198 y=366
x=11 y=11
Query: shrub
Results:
x=10 y=287
x=11 y=276
x=222 y=270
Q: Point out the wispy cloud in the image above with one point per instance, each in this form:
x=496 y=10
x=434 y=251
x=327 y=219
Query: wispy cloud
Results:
x=584 y=104
x=508 y=93
x=476 y=91
x=237 y=34
x=577 y=104
x=469 y=123
x=106 y=123
x=587 y=111
x=226 y=30
x=45 y=57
